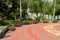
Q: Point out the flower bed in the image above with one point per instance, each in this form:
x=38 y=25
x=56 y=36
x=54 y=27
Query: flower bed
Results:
x=54 y=21
x=18 y=24
x=45 y=21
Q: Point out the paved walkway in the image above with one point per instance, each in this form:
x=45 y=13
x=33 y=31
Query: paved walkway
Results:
x=47 y=31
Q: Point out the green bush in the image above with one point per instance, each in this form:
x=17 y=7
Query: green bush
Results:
x=45 y=21
x=55 y=21
x=5 y=22
x=11 y=21
x=31 y=20
x=58 y=19
x=40 y=19
x=2 y=22
x=28 y=20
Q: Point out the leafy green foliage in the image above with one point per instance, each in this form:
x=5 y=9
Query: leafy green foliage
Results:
x=35 y=6
x=57 y=7
x=9 y=7
x=48 y=8
x=11 y=21
x=5 y=22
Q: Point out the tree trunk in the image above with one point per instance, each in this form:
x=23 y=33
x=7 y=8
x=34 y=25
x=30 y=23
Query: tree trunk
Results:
x=20 y=10
x=44 y=9
x=15 y=16
x=1 y=17
x=54 y=2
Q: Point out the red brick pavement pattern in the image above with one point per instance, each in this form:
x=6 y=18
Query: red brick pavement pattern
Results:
x=57 y=27
x=31 y=32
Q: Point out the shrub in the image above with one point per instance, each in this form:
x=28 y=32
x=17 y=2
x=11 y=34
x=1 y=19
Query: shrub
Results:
x=27 y=22
x=45 y=21
x=23 y=21
x=5 y=22
x=54 y=21
x=18 y=24
x=10 y=27
x=2 y=23
x=38 y=19
x=11 y=21
x=58 y=19
x=35 y=21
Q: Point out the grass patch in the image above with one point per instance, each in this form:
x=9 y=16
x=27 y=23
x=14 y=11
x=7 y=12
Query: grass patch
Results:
x=58 y=19
x=1 y=26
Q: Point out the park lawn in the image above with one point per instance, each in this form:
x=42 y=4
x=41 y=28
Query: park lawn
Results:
x=1 y=26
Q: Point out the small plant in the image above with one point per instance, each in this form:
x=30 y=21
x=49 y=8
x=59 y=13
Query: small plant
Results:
x=35 y=21
x=38 y=19
x=11 y=21
x=10 y=27
x=54 y=21
x=45 y=21
x=18 y=24
x=27 y=22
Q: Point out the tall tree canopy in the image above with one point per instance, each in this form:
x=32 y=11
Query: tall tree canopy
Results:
x=9 y=8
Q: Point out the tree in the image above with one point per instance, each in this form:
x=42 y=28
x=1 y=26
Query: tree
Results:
x=20 y=9
x=48 y=8
x=54 y=3
x=24 y=8
x=8 y=7
x=57 y=7
x=35 y=6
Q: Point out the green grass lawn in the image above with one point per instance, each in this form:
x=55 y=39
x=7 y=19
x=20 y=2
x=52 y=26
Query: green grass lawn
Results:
x=58 y=19
x=1 y=26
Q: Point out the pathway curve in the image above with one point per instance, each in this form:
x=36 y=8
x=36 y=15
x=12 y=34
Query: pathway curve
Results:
x=41 y=31
x=52 y=30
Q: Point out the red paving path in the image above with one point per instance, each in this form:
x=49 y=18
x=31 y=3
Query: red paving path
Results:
x=33 y=32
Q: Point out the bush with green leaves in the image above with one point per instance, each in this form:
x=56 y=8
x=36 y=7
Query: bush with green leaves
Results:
x=2 y=22
x=28 y=20
x=58 y=19
x=40 y=19
x=5 y=22
x=11 y=21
